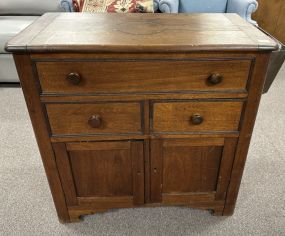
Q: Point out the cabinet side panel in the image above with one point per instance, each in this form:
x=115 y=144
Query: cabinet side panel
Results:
x=247 y=124
x=31 y=93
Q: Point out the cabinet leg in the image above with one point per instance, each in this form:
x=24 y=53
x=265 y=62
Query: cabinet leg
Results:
x=77 y=215
x=72 y=219
x=75 y=218
x=228 y=212
x=221 y=212
x=217 y=211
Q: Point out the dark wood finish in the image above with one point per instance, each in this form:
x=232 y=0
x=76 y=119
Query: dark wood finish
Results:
x=140 y=76
x=39 y=122
x=137 y=153
x=156 y=170
x=253 y=32
x=143 y=33
x=29 y=32
x=180 y=165
x=99 y=146
x=175 y=164
x=143 y=109
x=94 y=118
x=91 y=56
x=183 y=199
x=75 y=213
x=181 y=117
x=137 y=97
x=217 y=207
x=279 y=31
x=225 y=168
x=271 y=17
x=147 y=170
x=65 y=172
x=107 y=202
x=102 y=174
x=143 y=137
x=250 y=112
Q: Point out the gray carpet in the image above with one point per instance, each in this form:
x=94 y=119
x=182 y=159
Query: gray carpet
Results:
x=26 y=206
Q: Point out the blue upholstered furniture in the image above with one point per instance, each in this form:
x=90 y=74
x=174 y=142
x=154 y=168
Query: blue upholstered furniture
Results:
x=242 y=7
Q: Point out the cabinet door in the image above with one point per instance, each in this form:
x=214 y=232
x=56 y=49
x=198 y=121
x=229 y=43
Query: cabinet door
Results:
x=101 y=174
x=184 y=171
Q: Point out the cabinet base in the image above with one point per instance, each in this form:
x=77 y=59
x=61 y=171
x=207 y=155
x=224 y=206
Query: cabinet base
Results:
x=77 y=213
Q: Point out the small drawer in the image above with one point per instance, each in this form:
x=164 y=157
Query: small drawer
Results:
x=196 y=116
x=153 y=76
x=95 y=118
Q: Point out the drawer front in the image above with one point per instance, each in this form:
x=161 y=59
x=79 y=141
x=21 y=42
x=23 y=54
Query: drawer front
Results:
x=95 y=118
x=196 y=116
x=159 y=76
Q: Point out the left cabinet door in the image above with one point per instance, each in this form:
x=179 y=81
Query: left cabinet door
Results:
x=101 y=174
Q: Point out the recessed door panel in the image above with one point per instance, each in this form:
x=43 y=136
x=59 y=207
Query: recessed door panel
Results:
x=95 y=173
x=189 y=170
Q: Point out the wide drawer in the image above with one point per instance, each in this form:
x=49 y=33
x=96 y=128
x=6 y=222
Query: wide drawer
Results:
x=95 y=118
x=153 y=76
x=196 y=116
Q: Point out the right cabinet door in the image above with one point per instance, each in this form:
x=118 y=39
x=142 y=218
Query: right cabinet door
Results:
x=185 y=171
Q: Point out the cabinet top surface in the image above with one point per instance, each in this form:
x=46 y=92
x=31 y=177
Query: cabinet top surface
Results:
x=77 y=32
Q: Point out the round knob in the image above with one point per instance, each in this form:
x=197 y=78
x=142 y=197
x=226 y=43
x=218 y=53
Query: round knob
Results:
x=215 y=79
x=95 y=121
x=73 y=78
x=197 y=119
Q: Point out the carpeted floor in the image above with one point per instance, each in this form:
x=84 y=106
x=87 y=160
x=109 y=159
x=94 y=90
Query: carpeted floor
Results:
x=26 y=206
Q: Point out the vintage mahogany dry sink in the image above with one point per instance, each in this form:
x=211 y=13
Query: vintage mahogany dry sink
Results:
x=142 y=109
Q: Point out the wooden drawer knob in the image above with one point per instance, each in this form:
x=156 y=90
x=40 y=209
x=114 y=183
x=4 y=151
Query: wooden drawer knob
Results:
x=73 y=78
x=215 y=79
x=197 y=119
x=95 y=121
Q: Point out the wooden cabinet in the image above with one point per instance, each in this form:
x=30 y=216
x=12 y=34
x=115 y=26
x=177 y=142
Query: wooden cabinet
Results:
x=195 y=172
x=132 y=119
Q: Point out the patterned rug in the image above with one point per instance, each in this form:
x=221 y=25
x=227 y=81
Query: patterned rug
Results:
x=116 y=6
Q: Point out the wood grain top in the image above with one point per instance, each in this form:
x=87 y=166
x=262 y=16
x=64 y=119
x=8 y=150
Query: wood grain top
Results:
x=71 y=32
